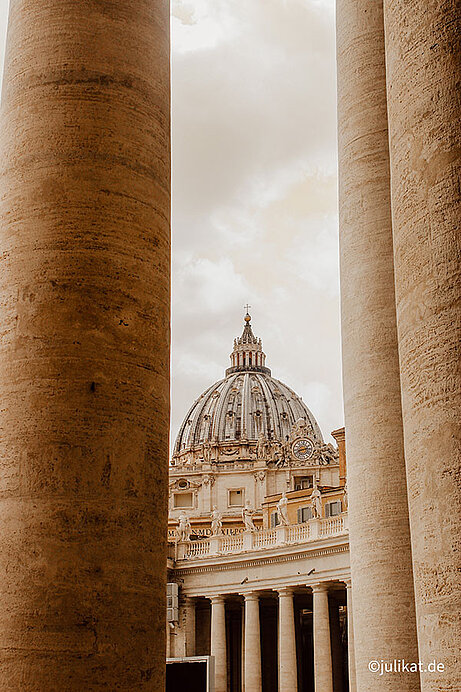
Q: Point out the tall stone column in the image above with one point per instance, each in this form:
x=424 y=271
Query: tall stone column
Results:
x=252 y=646
x=84 y=348
x=288 y=668
x=168 y=640
x=218 y=642
x=384 y=617
x=323 y=671
x=350 y=639
x=190 y=626
x=423 y=66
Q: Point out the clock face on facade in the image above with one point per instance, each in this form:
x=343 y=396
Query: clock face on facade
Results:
x=303 y=448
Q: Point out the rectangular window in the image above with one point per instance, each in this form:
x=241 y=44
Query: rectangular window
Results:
x=304 y=514
x=181 y=500
x=333 y=509
x=304 y=482
x=236 y=498
x=274 y=520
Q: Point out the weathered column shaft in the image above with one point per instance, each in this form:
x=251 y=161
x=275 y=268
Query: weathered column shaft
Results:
x=350 y=640
x=323 y=670
x=84 y=348
x=288 y=668
x=384 y=618
x=190 y=627
x=252 y=648
x=218 y=642
x=168 y=640
x=423 y=69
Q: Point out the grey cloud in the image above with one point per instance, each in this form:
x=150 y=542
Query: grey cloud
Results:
x=254 y=213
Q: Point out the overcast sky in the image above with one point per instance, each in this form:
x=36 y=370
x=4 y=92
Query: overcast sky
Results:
x=254 y=194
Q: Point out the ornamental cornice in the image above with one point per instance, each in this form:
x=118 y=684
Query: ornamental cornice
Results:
x=256 y=562
x=333 y=579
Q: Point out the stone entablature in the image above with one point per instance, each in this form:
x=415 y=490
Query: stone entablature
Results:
x=291 y=564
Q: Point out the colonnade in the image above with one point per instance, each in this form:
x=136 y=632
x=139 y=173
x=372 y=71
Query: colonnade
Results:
x=287 y=651
x=400 y=250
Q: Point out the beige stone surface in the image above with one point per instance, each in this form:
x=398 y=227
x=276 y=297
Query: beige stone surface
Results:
x=384 y=619
x=84 y=348
x=218 y=642
x=323 y=673
x=423 y=70
x=350 y=640
x=288 y=670
x=252 y=644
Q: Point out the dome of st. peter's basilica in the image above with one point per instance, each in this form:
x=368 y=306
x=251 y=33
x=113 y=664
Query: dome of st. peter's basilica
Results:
x=248 y=405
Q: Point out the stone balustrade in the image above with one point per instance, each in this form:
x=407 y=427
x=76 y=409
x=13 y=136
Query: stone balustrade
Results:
x=312 y=530
x=264 y=538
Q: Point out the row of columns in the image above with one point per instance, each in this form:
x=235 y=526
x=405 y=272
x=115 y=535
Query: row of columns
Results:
x=400 y=249
x=287 y=657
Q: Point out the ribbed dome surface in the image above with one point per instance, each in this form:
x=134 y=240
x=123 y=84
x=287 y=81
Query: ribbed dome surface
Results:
x=243 y=405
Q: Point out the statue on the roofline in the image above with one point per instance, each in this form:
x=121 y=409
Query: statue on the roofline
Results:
x=316 y=503
x=184 y=529
x=247 y=516
x=216 y=522
x=282 y=510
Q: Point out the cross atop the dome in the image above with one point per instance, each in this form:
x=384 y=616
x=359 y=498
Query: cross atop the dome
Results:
x=247 y=307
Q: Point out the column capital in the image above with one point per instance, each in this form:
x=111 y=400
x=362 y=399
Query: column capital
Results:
x=285 y=591
x=320 y=587
x=218 y=598
x=251 y=595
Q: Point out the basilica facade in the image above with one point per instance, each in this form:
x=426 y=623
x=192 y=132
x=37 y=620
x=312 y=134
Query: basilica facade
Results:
x=258 y=536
